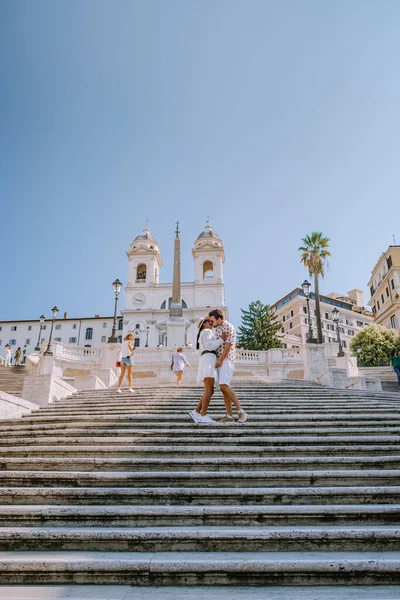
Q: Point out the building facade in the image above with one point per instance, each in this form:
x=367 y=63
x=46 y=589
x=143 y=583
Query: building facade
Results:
x=147 y=301
x=88 y=331
x=291 y=311
x=384 y=286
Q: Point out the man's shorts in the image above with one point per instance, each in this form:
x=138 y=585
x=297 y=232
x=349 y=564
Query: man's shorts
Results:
x=225 y=372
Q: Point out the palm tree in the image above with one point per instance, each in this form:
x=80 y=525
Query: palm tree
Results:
x=313 y=255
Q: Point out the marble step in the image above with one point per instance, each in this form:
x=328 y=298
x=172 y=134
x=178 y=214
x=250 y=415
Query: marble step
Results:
x=199 y=496
x=102 y=449
x=207 y=568
x=164 y=516
x=206 y=479
x=188 y=592
x=215 y=465
x=373 y=538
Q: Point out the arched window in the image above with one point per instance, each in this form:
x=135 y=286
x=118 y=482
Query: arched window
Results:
x=164 y=304
x=89 y=333
x=208 y=269
x=141 y=273
x=120 y=325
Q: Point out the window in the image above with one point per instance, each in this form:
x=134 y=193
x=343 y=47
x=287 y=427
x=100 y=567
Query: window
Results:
x=164 y=304
x=72 y=340
x=305 y=309
x=74 y=326
x=208 y=269
x=283 y=319
x=29 y=327
x=378 y=305
x=57 y=339
x=290 y=325
x=14 y=328
x=389 y=262
x=344 y=344
x=103 y=339
x=306 y=321
x=291 y=313
x=372 y=290
x=374 y=309
x=282 y=330
x=120 y=339
x=360 y=324
x=383 y=299
x=141 y=273
x=341 y=329
x=120 y=325
x=137 y=342
x=104 y=325
x=13 y=342
x=58 y=327
x=27 y=342
x=350 y=332
x=89 y=334
x=392 y=284
x=387 y=292
x=393 y=322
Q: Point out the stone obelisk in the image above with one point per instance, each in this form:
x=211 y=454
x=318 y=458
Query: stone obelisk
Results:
x=176 y=325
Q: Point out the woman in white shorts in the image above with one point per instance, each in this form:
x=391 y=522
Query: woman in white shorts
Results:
x=127 y=351
x=207 y=374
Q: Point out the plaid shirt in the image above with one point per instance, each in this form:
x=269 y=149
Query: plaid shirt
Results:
x=228 y=328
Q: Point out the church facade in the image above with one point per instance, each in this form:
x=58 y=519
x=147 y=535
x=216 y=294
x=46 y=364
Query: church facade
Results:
x=147 y=301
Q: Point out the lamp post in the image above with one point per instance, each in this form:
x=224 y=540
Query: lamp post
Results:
x=54 y=312
x=306 y=285
x=41 y=319
x=117 y=289
x=147 y=337
x=335 y=314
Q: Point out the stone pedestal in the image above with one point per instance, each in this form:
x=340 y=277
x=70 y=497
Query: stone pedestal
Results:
x=315 y=362
x=176 y=332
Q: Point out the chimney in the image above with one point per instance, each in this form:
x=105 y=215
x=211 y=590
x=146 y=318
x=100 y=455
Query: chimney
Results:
x=357 y=296
x=65 y=315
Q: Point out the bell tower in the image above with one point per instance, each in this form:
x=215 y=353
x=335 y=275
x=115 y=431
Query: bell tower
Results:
x=209 y=257
x=144 y=261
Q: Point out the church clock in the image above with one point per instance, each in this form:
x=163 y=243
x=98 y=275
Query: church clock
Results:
x=139 y=300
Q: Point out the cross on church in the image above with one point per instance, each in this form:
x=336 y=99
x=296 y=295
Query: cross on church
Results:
x=177 y=229
x=208 y=220
x=147 y=223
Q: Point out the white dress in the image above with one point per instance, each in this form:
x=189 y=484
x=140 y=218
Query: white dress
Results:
x=208 y=341
x=179 y=362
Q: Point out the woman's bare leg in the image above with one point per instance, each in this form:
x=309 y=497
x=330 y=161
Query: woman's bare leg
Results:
x=130 y=375
x=121 y=377
x=208 y=392
x=179 y=377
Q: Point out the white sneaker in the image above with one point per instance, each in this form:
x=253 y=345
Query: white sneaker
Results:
x=206 y=419
x=119 y=391
x=131 y=390
x=242 y=416
x=195 y=416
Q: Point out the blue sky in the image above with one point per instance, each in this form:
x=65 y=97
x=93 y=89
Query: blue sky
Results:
x=274 y=118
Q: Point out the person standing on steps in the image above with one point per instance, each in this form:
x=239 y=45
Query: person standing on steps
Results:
x=395 y=360
x=178 y=364
x=8 y=356
x=127 y=351
x=226 y=365
x=207 y=374
x=17 y=357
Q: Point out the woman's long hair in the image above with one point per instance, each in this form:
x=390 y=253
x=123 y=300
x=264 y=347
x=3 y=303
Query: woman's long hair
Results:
x=201 y=327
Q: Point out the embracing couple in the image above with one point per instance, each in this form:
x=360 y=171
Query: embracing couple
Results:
x=216 y=342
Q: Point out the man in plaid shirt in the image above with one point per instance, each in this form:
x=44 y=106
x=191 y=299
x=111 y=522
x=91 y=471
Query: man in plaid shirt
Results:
x=226 y=364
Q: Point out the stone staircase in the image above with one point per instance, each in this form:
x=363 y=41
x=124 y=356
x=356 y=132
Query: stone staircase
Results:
x=103 y=488
x=12 y=380
x=387 y=376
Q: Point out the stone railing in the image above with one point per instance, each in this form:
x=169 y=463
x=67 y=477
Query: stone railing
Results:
x=77 y=353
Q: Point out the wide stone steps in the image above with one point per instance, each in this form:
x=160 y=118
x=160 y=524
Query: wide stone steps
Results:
x=179 y=516
x=126 y=489
x=174 y=465
x=206 y=568
x=203 y=539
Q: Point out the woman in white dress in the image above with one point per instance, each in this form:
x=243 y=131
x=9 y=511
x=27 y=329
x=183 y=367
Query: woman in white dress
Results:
x=207 y=345
x=178 y=364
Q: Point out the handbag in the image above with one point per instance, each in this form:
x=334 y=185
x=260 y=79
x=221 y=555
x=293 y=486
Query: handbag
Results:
x=118 y=364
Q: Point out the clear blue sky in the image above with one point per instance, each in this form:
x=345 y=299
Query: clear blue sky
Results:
x=276 y=118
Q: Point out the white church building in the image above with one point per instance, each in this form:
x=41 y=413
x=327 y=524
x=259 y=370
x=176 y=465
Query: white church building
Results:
x=148 y=302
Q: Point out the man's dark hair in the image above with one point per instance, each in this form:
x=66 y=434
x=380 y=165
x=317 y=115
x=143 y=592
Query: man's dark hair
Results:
x=217 y=314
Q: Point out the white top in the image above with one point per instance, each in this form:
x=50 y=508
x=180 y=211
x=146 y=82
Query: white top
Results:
x=179 y=361
x=208 y=341
x=125 y=350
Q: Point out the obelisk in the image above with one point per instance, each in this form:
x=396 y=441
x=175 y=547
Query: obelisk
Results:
x=176 y=327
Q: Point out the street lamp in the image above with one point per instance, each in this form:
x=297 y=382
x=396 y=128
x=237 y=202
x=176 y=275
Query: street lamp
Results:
x=147 y=337
x=117 y=289
x=335 y=314
x=54 y=313
x=41 y=319
x=306 y=285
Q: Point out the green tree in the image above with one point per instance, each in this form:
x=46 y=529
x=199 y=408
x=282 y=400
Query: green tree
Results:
x=373 y=345
x=259 y=328
x=313 y=255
